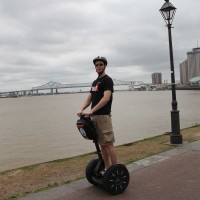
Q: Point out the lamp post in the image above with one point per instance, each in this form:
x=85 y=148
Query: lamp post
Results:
x=168 y=12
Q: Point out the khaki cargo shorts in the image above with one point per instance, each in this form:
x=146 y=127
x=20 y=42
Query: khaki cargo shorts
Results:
x=104 y=128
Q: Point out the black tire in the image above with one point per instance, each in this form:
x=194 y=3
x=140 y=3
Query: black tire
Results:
x=90 y=171
x=116 y=179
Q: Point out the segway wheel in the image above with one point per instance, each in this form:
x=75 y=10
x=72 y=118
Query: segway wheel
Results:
x=90 y=171
x=116 y=179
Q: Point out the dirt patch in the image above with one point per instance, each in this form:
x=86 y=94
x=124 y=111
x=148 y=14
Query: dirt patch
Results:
x=22 y=181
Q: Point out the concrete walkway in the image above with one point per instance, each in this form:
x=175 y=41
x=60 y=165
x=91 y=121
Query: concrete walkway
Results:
x=172 y=175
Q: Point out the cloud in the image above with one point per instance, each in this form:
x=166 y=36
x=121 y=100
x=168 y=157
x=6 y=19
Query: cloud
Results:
x=48 y=40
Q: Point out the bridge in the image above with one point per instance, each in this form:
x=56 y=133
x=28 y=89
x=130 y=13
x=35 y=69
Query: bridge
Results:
x=56 y=85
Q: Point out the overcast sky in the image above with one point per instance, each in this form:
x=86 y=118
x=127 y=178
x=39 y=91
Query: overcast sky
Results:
x=56 y=40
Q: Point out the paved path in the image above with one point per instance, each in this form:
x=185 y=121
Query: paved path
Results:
x=172 y=175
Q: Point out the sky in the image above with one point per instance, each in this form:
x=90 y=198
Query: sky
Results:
x=56 y=40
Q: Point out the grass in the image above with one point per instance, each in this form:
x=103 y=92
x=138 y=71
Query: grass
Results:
x=36 y=178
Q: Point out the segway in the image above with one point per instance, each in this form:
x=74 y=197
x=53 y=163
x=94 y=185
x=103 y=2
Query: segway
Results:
x=116 y=178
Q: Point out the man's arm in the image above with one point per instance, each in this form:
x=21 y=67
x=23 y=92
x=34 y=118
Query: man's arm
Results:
x=106 y=97
x=85 y=104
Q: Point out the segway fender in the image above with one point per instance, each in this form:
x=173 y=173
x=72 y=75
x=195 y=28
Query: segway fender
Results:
x=92 y=170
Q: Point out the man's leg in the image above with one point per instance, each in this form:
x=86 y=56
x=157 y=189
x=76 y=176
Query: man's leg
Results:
x=112 y=153
x=109 y=154
x=105 y=154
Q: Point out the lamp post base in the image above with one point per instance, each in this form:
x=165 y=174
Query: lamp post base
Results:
x=176 y=139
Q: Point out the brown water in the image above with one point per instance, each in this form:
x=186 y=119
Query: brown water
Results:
x=39 y=129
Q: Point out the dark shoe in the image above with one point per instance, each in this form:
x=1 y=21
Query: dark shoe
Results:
x=103 y=172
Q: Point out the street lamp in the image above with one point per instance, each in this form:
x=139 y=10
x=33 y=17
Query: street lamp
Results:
x=168 y=12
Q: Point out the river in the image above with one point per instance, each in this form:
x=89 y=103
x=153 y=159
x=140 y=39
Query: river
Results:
x=43 y=128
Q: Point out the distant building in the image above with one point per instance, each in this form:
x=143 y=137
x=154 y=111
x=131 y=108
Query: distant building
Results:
x=184 y=78
x=156 y=78
x=193 y=58
x=190 y=68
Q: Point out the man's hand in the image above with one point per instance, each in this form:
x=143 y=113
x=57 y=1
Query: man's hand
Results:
x=88 y=114
x=79 y=113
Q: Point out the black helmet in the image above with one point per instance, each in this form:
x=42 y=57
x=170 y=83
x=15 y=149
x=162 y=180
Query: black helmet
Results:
x=103 y=59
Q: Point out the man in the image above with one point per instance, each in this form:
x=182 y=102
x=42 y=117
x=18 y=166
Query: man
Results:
x=101 y=99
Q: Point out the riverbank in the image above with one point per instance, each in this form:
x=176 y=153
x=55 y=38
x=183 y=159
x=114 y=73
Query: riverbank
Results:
x=22 y=181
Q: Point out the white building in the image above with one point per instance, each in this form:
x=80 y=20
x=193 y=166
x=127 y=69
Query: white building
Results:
x=193 y=58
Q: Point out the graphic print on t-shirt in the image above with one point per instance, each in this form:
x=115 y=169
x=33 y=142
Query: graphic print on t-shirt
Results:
x=96 y=88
